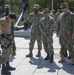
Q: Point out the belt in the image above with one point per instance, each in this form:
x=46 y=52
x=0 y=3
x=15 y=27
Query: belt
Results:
x=6 y=34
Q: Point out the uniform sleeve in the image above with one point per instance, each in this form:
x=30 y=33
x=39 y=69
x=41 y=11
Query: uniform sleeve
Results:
x=40 y=27
x=29 y=18
x=29 y=21
x=57 y=25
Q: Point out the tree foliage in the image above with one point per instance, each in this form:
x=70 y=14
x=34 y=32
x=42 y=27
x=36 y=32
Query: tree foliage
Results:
x=48 y=4
x=17 y=6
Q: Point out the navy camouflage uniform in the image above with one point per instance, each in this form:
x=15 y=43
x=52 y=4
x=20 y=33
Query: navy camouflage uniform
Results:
x=34 y=19
x=65 y=29
x=35 y=32
x=46 y=25
x=46 y=28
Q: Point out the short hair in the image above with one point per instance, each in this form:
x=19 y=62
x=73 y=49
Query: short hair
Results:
x=12 y=16
x=36 y=6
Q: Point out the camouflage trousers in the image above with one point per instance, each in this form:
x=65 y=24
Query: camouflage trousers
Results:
x=48 y=44
x=6 y=46
x=35 y=36
x=66 y=43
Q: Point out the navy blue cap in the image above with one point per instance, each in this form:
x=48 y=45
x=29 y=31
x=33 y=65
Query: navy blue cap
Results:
x=64 y=5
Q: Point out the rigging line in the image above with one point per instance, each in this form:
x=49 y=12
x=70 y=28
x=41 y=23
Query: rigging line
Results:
x=22 y=13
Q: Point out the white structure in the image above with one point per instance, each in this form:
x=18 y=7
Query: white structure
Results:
x=52 y=4
x=22 y=33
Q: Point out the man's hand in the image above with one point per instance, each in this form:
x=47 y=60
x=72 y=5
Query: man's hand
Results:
x=44 y=34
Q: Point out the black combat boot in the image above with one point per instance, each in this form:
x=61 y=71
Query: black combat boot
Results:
x=8 y=66
x=47 y=57
x=30 y=54
x=51 y=58
x=4 y=70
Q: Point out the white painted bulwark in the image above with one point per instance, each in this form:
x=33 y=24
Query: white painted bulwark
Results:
x=22 y=33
